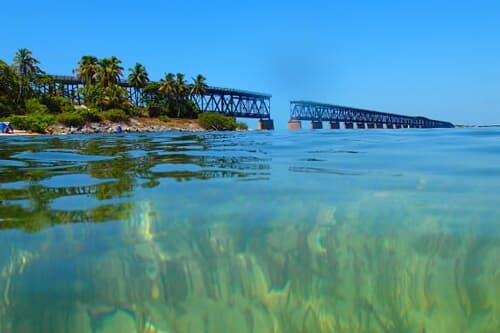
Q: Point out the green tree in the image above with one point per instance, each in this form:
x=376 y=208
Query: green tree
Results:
x=91 y=93
x=166 y=94
x=114 y=97
x=27 y=68
x=181 y=90
x=101 y=78
x=167 y=85
x=9 y=88
x=217 y=122
x=138 y=78
x=152 y=95
x=199 y=85
x=109 y=71
x=175 y=91
x=87 y=69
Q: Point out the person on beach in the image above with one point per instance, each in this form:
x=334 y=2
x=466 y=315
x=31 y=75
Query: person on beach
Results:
x=6 y=127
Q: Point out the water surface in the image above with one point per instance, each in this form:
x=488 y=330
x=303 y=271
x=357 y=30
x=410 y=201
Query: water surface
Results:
x=327 y=231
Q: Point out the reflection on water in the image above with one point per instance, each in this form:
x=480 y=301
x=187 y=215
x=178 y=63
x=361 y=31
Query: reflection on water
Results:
x=317 y=239
x=37 y=173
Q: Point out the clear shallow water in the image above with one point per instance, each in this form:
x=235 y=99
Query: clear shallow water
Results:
x=328 y=231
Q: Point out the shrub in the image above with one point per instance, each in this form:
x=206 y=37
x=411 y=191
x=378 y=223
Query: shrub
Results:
x=183 y=109
x=241 y=126
x=90 y=115
x=189 y=110
x=216 y=121
x=35 y=122
x=57 y=104
x=136 y=112
x=141 y=112
x=114 y=115
x=163 y=118
x=34 y=106
x=71 y=119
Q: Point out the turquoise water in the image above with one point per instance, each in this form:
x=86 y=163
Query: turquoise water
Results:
x=327 y=231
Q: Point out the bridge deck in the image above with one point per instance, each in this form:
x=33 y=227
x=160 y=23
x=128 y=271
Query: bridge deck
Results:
x=313 y=111
x=231 y=102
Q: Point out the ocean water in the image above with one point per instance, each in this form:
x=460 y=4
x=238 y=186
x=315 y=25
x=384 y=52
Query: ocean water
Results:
x=310 y=231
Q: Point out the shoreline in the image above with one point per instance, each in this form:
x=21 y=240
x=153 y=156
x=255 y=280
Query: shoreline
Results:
x=133 y=125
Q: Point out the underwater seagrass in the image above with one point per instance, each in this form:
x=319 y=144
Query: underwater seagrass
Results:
x=313 y=268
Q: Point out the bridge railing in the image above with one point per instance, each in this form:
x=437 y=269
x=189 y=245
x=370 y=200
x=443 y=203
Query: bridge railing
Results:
x=232 y=102
x=306 y=110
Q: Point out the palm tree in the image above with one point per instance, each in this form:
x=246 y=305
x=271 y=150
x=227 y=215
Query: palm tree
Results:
x=26 y=67
x=138 y=78
x=180 y=86
x=114 y=96
x=109 y=71
x=25 y=64
x=181 y=90
x=199 y=86
x=87 y=69
x=167 y=85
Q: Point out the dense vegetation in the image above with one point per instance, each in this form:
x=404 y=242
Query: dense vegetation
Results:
x=27 y=107
x=219 y=122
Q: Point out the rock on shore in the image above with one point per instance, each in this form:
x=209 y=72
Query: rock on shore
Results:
x=131 y=126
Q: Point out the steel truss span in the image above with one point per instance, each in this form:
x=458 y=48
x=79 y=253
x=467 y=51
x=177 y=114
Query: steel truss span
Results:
x=304 y=110
x=236 y=103
x=231 y=102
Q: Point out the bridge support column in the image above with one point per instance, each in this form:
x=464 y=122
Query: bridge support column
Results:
x=294 y=125
x=334 y=125
x=388 y=126
x=316 y=124
x=265 y=124
x=348 y=125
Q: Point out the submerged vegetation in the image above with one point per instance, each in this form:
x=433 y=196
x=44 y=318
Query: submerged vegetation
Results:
x=103 y=95
x=238 y=258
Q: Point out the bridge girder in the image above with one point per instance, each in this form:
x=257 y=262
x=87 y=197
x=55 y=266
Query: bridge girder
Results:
x=304 y=110
x=230 y=102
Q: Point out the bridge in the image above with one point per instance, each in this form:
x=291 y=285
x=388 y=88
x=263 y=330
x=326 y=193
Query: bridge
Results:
x=349 y=117
x=230 y=102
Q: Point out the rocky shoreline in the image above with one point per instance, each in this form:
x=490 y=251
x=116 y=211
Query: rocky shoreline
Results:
x=134 y=125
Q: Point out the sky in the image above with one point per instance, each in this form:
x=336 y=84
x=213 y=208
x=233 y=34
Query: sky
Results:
x=438 y=59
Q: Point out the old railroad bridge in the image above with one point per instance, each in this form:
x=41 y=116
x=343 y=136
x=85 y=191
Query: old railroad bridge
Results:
x=231 y=102
x=349 y=117
x=248 y=104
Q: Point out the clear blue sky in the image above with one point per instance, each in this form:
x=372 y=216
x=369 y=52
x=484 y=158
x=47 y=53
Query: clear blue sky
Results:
x=439 y=59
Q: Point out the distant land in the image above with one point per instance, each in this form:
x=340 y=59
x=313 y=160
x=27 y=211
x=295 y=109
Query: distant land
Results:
x=476 y=126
